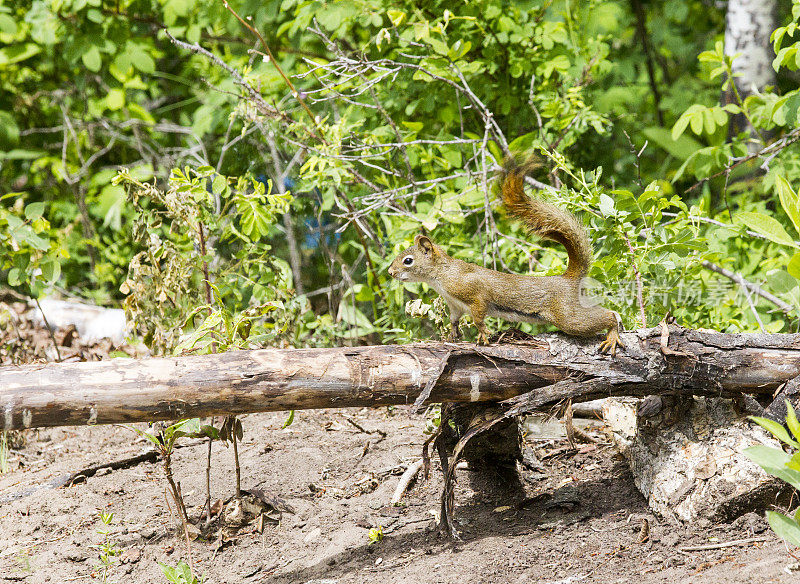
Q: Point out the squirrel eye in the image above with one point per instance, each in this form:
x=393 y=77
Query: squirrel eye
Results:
x=408 y=261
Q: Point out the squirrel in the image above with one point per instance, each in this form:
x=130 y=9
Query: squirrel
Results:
x=482 y=292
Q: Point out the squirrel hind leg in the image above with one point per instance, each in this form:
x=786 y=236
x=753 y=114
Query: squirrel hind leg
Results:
x=611 y=342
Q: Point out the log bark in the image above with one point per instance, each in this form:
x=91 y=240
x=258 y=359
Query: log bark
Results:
x=547 y=369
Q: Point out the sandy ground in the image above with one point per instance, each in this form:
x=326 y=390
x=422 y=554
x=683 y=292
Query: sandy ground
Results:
x=339 y=480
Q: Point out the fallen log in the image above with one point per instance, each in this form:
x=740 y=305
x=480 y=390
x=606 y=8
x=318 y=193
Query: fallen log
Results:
x=238 y=382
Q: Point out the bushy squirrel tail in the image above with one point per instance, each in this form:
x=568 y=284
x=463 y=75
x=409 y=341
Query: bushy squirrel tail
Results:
x=544 y=219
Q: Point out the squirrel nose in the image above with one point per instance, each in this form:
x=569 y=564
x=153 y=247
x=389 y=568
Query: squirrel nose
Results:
x=391 y=270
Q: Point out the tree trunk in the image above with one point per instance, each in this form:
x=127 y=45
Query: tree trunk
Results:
x=748 y=26
x=547 y=370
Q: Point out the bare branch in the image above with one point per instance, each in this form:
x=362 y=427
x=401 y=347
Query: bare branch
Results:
x=739 y=279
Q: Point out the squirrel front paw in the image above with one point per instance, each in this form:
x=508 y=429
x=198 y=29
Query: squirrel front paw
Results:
x=454 y=335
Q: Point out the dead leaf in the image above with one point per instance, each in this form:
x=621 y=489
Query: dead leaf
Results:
x=193 y=531
x=216 y=507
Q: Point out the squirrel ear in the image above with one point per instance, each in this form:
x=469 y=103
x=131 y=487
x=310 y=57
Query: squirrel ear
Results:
x=424 y=243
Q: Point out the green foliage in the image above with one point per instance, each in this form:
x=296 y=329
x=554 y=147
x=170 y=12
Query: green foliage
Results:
x=145 y=173
x=180 y=228
x=180 y=574
x=108 y=549
x=165 y=436
x=375 y=535
x=785 y=466
x=28 y=250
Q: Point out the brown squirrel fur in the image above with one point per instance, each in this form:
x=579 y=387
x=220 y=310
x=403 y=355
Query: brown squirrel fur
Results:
x=469 y=288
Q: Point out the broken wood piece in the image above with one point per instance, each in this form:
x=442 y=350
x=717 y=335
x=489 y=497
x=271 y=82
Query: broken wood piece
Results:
x=724 y=544
x=405 y=480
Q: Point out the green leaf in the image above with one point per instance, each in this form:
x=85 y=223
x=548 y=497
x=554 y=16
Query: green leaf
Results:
x=709 y=121
x=91 y=59
x=169 y=573
x=17 y=53
x=220 y=185
x=186 y=572
x=8 y=25
x=681 y=147
x=789 y=200
x=115 y=99
x=524 y=142
x=34 y=210
x=18 y=154
x=794 y=463
x=776 y=429
x=24 y=234
x=785 y=527
x=719 y=116
x=781 y=282
x=396 y=16
x=774 y=461
x=768 y=227
x=791 y=420
x=680 y=126
x=696 y=122
x=289 y=420
x=14 y=277
x=51 y=270
x=794 y=265
x=606 y=205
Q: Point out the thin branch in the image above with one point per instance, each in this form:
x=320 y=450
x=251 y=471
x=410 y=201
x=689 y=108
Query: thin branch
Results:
x=412 y=143
x=718 y=224
x=254 y=94
x=49 y=329
x=749 y=297
x=644 y=38
x=295 y=260
x=286 y=80
x=772 y=149
x=638 y=278
x=739 y=279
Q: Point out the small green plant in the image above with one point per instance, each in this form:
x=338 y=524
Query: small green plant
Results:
x=108 y=549
x=164 y=438
x=375 y=534
x=180 y=574
x=784 y=465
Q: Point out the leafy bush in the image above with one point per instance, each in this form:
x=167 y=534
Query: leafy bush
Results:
x=29 y=254
x=384 y=120
x=783 y=465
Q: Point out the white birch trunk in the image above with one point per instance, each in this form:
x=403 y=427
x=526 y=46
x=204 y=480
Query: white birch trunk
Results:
x=748 y=26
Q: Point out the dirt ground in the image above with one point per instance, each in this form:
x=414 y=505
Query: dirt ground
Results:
x=577 y=517
x=590 y=531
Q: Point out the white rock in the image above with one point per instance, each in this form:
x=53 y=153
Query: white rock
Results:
x=687 y=459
